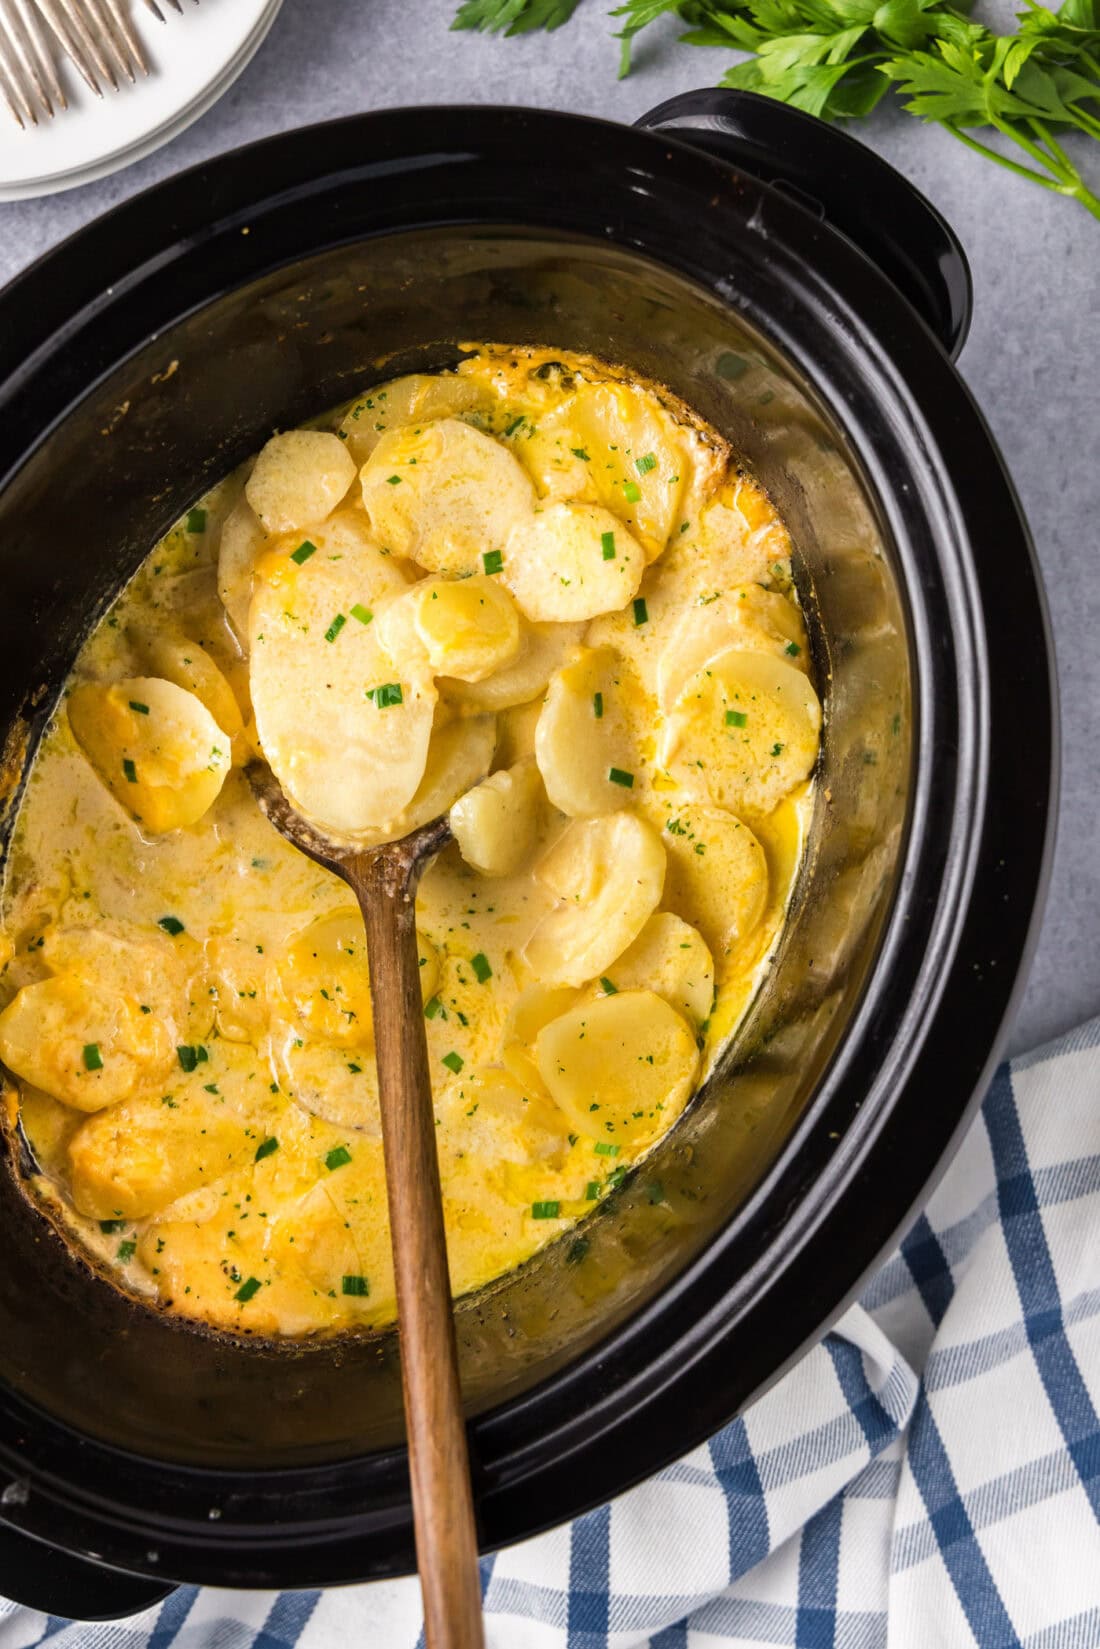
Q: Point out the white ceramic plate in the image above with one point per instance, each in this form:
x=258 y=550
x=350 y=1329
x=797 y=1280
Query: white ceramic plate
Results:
x=193 y=58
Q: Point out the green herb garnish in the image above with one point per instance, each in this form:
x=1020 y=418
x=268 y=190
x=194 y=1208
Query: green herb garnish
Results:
x=142 y=709
x=130 y=770
x=609 y=988
x=170 y=924
x=247 y=1290
x=607 y=545
x=127 y=1250
x=792 y=649
x=482 y=967
x=644 y=465
x=736 y=718
x=604 y=1149
x=619 y=775
x=363 y=614
x=493 y=562
x=189 y=1056
x=303 y=552
x=93 y=1059
x=545 y=1210
x=196 y=521
x=335 y=627
x=266 y=1148
x=338 y=1157
x=359 y=1287
x=389 y=693
x=113 y=1225
x=597 y=705
x=641 y=612
x=454 y=1062
x=434 y=1007
x=632 y=492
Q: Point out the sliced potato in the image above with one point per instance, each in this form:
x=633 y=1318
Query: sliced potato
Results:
x=242 y=541
x=469 y=628
x=747 y=617
x=444 y=495
x=136 y=1159
x=237 y=984
x=325 y=978
x=516 y=733
x=160 y=973
x=156 y=747
x=84 y=1043
x=345 y=732
x=489 y=1115
x=570 y=562
x=420 y=398
x=620 y=1067
x=613 y=444
x=744 y=732
x=717 y=877
x=670 y=957
x=338 y=1084
x=459 y=756
x=543 y=647
x=191 y=667
x=495 y=823
x=736 y=538
x=607 y=874
x=298 y=479
x=584 y=744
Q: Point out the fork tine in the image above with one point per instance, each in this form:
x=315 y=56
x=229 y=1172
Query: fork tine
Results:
x=122 y=21
x=10 y=84
x=155 y=9
x=72 y=31
x=30 y=81
x=104 y=31
x=39 y=49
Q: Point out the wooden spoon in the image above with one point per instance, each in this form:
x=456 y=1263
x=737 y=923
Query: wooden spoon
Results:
x=384 y=881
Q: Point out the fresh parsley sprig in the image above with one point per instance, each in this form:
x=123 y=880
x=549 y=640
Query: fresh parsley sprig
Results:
x=838 y=58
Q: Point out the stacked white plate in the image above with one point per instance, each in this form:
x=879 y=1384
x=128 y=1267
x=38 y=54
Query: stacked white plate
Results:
x=193 y=58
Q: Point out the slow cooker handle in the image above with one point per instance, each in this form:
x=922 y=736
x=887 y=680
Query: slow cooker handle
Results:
x=841 y=181
x=56 y=1583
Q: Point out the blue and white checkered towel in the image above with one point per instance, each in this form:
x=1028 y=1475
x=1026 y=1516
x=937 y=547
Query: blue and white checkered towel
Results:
x=926 y=1478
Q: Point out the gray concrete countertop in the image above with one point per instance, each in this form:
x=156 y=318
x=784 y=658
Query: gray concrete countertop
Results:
x=1036 y=262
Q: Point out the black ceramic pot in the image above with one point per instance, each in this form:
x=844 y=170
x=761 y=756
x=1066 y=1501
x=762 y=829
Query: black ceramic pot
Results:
x=812 y=317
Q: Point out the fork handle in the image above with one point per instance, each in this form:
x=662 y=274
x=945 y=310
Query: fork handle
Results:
x=443 y=1509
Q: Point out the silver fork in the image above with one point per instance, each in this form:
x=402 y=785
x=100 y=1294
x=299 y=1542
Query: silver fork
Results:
x=97 y=36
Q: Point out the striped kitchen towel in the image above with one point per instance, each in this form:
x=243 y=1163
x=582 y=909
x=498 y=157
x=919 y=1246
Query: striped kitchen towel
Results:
x=926 y=1478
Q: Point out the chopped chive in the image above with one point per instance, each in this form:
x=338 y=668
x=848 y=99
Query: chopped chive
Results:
x=335 y=627
x=607 y=545
x=170 y=924
x=113 y=1225
x=545 y=1210
x=579 y=452
x=493 y=561
x=196 y=521
x=358 y=1286
x=619 y=775
x=684 y=525
x=142 y=709
x=610 y=989
x=363 y=614
x=127 y=1250
x=93 y=1059
x=792 y=649
x=454 y=1062
x=778 y=749
x=597 y=705
x=356 y=1070
x=592 y=1191
x=303 y=552
x=737 y=718
x=338 y=1157
x=210 y=1087
x=130 y=770
x=189 y=1057
x=641 y=612
x=514 y=425
x=644 y=465
x=389 y=693
x=393 y=480
x=631 y=492
x=266 y=1148
x=576 y=1251
x=433 y=1008
x=604 y=1149
x=482 y=967
x=247 y=1290
x=616 y=1177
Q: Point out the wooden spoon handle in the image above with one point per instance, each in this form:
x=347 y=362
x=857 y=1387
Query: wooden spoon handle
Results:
x=443 y=1508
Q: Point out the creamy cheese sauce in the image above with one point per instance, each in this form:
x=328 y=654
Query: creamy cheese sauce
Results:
x=533 y=569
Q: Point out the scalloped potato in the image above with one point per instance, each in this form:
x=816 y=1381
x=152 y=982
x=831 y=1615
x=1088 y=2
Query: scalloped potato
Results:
x=531 y=595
